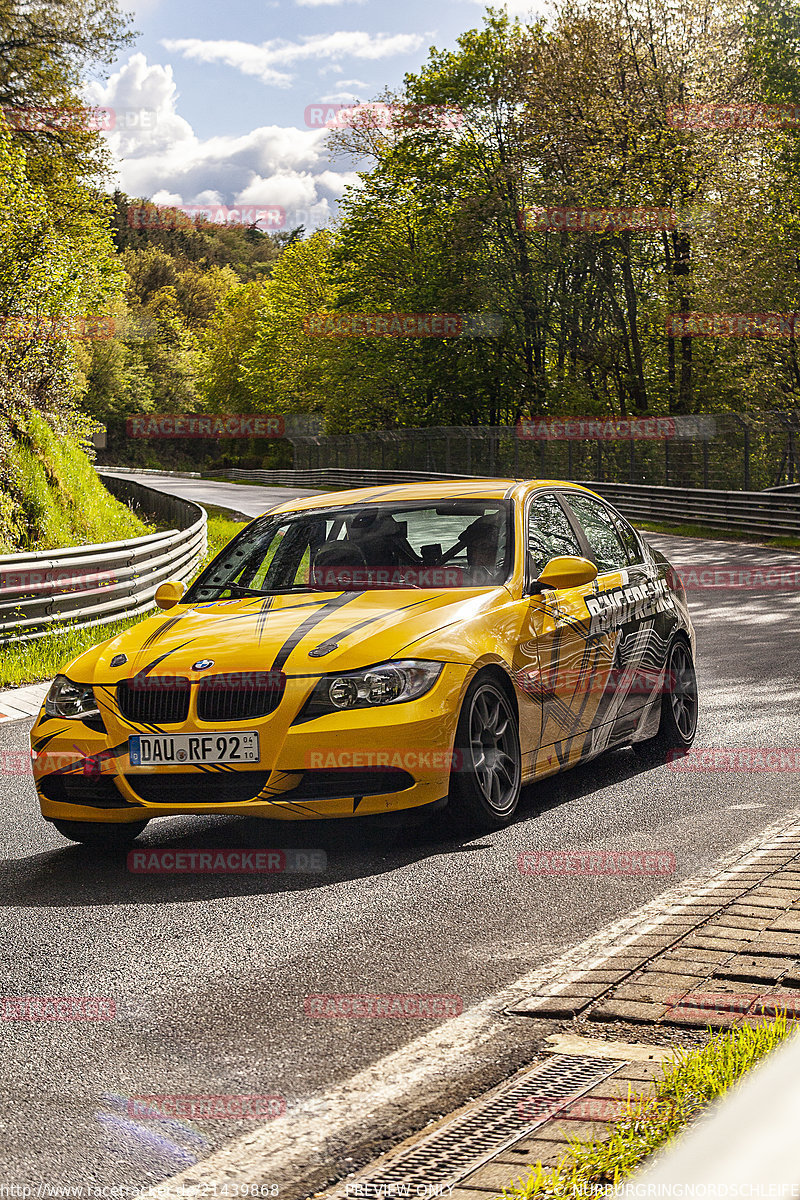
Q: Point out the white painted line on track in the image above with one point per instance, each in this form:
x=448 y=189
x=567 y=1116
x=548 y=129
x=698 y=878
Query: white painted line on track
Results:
x=286 y=1150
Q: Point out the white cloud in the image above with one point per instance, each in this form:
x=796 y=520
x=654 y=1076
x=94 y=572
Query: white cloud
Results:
x=261 y=61
x=160 y=156
x=339 y=98
x=325 y=3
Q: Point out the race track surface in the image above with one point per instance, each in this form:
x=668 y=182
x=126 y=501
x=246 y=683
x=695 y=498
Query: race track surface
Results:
x=210 y=972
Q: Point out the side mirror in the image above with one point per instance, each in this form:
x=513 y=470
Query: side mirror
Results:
x=169 y=594
x=564 y=572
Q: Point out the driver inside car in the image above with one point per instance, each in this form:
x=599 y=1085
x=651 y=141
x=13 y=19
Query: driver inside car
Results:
x=481 y=540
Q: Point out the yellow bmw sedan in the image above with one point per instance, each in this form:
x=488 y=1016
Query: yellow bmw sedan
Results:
x=378 y=651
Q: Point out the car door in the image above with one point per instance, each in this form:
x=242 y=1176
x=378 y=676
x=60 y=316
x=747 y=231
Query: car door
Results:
x=564 y=660
x=625 y=605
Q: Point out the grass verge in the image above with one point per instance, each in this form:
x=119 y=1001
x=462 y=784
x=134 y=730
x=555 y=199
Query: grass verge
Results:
x=719 y=535
x=691 y=1081
x=31 y=662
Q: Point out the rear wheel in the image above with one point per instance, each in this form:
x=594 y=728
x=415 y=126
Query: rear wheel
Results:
x=100 y=833
x=486 y=776
x=679 y=705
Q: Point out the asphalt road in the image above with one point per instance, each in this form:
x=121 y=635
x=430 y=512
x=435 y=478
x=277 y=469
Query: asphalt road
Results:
x=241 y=497
x=209 y=973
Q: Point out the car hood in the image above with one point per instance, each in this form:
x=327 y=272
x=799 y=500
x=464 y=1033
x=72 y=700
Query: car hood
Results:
x=301 y=634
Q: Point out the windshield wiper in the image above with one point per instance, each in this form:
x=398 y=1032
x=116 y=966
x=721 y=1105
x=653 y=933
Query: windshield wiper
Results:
x=246 y=591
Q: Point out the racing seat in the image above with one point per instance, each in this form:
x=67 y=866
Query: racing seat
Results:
x=338 y=564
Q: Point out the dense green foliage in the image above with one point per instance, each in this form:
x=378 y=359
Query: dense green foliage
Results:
x=578 y=114
x=52 y=496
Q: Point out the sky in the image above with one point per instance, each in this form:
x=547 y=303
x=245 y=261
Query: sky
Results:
x=211 y=105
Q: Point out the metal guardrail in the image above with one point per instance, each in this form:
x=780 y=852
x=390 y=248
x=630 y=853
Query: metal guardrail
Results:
x=766 y=514
x=92 y=585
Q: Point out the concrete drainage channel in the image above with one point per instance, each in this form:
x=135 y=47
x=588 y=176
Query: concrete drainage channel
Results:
x=439 y=1160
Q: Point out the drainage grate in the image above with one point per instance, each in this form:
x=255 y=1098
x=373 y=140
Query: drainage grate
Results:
x=465 y=1143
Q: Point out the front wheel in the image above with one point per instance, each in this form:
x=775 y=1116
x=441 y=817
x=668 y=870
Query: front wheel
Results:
x=486 y=776
x=101 y=834
x=679 y=706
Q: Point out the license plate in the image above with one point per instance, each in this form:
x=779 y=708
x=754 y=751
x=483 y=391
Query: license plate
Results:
x=168 y=749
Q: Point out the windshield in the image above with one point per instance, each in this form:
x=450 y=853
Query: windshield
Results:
x=433 y=544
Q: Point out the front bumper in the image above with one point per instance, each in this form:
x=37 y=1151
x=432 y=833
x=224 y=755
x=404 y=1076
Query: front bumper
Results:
x=359 y=762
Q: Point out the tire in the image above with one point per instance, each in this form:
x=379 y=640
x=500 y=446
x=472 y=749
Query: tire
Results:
x=101 y=834
x=679 y=705
x=486 y=776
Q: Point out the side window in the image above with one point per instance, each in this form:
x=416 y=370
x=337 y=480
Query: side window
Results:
x=629 y=539
x=549 y=532
x=601 y=534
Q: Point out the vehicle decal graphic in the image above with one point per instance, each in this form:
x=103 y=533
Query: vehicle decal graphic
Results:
x=370 y=620
x=156 y=661
x=100 y=757
x=261 y=621
x=307 y=625
x=156 y=634
x=108 y=705
x=632 y=601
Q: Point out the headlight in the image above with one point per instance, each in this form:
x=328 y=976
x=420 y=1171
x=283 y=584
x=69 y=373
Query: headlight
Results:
x=68 y=699
x=388 y=683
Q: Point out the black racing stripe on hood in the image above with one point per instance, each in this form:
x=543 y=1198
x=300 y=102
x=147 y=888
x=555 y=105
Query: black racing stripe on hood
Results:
x=146 y=670
x=307 y=625
x=156 y=634
x=370 y=620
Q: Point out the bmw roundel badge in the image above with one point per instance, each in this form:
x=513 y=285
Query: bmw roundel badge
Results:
x=202 y=664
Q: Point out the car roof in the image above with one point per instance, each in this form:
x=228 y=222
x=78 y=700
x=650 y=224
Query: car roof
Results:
x=429 y=489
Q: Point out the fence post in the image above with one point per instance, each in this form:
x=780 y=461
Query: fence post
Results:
x=747 y=458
